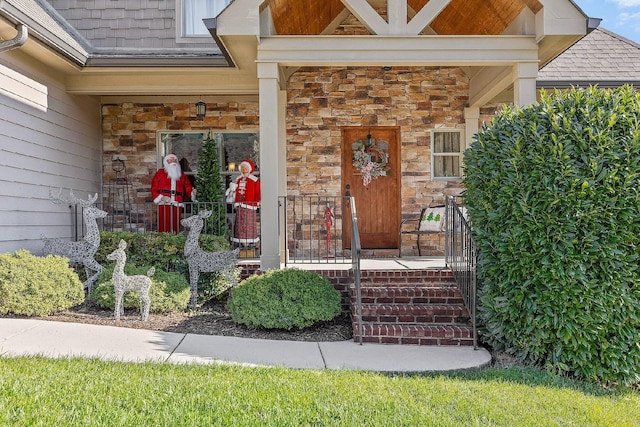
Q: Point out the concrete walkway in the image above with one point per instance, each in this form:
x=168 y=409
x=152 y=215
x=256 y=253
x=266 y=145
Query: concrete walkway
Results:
x=20 y=337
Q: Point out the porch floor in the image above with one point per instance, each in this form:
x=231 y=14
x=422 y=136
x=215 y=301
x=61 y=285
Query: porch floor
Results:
x=403 y=263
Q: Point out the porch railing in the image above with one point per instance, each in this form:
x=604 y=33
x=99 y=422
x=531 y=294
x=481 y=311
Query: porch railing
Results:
x=314 y=227
x=356 y=250
x=143 y=217
x=461 y=255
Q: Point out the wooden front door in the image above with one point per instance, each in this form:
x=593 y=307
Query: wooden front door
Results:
x=378 y=202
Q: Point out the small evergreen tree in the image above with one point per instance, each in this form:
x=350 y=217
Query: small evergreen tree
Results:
x=210 y=187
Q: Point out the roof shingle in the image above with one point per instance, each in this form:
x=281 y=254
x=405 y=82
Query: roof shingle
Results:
x=601 y=57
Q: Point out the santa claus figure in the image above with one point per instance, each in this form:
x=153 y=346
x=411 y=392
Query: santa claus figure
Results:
x=169 y=188
x=246 y=202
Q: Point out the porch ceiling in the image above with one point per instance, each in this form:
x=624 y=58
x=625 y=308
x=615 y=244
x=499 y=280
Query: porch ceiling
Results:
x=459 y=17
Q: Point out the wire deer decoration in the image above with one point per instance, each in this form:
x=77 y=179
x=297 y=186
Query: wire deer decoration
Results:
x=123 y=283
x=82 y=251
x=201 y=261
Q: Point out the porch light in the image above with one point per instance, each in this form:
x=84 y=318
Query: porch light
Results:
x=201 y=109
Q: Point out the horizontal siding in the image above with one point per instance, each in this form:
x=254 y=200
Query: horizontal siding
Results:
x=48 y=140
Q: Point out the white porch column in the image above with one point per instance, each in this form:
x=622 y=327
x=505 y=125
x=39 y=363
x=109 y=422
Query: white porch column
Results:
x=524 y=83
x=272 y=162
x=472 y=124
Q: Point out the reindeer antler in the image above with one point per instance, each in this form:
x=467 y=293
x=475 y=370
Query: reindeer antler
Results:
x=58 y=198
x=73 y=200
x=84 y=203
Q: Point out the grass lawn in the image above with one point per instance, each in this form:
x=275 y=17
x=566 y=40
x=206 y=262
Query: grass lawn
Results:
x=35 y=391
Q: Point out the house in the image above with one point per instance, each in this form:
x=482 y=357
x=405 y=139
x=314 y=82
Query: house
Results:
x=302 y=86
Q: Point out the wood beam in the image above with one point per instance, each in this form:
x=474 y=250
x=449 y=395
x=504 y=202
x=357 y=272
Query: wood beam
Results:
x=367 y=15
x=425 y=16
x=393 y=50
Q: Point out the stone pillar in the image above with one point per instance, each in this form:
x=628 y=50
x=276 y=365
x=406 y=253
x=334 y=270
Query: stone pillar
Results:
x=272 y=161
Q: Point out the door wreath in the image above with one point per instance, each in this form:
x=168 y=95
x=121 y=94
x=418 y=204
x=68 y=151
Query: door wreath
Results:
x=371 y=160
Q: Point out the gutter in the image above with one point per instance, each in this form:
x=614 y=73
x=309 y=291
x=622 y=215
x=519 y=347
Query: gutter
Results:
x=17 y=41
x=212 y=26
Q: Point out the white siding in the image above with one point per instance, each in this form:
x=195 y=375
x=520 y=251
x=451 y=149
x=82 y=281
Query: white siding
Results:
x=48 y=139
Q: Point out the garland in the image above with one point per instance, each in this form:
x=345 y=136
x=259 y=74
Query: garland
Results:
x=362 y=160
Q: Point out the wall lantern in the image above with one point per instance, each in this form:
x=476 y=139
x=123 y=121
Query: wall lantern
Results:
x=201 y=109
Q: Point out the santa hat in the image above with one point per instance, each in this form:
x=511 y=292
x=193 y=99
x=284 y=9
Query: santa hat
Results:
x=249 y=164
x=167 y=157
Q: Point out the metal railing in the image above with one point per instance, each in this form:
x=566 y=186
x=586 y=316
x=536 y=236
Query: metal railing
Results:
x=313 y=228
x=143 y=218
x=461 y=256
x=356 y=250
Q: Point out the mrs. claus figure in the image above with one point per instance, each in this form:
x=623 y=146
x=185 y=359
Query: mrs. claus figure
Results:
x=246 y=202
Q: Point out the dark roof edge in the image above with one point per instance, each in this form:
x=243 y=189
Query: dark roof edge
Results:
x=49 y=27
x=156 y=61
x=212 y=26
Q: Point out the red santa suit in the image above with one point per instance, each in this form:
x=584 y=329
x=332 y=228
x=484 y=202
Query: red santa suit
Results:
x=246 y=202
x=169 y=194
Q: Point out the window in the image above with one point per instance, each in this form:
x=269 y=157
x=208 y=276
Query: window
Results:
x=187 y=146
x=233 y=148
x=446 y=154
x=189 y=16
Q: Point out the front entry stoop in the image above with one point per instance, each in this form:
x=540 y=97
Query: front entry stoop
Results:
x=417 y=307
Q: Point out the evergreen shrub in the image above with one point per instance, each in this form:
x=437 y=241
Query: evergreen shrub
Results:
x=37 y=286
x=165 y=251
x=284 y=299
x=552 y=191
x=162 y=250
x=169 y=291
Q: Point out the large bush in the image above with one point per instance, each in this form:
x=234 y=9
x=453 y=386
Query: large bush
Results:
x=169 y=291
x=162 y=250
x=37 y=286
x=552 y=192
x=284 y=299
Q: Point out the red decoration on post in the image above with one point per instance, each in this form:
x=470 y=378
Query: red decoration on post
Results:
x=328 y=223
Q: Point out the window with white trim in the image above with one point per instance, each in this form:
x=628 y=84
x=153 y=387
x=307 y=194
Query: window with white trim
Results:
x=189 y=16
x=446 y=154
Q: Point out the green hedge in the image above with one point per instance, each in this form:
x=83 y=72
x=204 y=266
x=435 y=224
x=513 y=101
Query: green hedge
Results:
x=169 y=291
x=37 y=286
x=552 y=193
x=284 y=299
x=165 y=251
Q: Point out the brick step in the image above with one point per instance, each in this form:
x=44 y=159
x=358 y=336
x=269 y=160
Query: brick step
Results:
x=408 y=295
x=412 y=307
x=422 y=278
x=415 y=314
x=445 y=335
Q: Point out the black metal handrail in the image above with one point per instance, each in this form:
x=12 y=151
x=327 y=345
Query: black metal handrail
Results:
x=356 y=251
x=461 y=256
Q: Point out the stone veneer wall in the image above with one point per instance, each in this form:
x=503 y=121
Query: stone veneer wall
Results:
x=129 y=129
x=320 y=102
x=418 y=100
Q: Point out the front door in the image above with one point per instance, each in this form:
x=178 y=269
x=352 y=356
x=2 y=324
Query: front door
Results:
x=375 y=152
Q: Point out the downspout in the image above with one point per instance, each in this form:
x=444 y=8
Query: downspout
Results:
x=17 y=41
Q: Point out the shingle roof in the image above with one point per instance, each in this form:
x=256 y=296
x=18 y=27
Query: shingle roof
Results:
x=601 y=57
